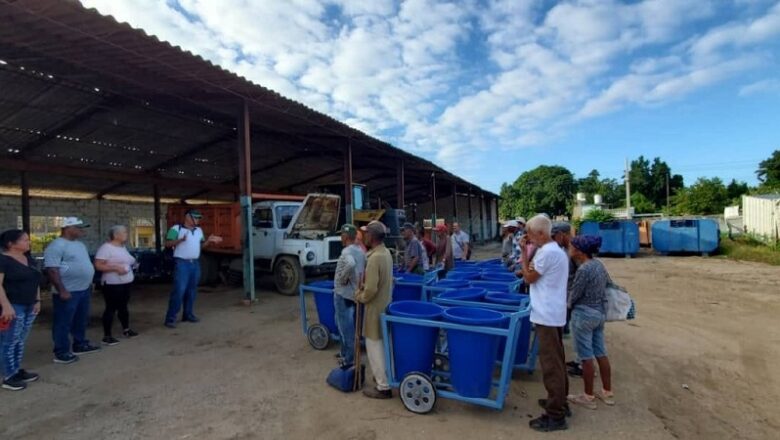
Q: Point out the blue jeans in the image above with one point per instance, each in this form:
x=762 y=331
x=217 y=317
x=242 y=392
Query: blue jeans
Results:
x=587 y=324
x=345 y=321
x=186 y=277
x=12 y=340
x=70 y=318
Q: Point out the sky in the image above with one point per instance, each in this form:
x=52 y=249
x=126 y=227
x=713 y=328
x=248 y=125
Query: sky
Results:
x=489 y=89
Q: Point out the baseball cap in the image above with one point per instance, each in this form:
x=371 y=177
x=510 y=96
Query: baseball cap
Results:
x=408 y=225
x=194 y=213
x=561 y=227
x=520 y=220
x=73 y=222
x=350 y=230
x=375 y=228
x=511 y=224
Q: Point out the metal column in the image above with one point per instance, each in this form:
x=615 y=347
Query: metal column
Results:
x=348 y=208
x=455 y=203
x=490 y=219
x=471 y=222
x=158 y=244
x=401 y=185
x=25 y=202
x=433 y=199
x=245 y=200
x=483 y=232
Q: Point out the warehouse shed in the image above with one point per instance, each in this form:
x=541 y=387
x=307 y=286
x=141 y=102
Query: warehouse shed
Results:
x=96 y=109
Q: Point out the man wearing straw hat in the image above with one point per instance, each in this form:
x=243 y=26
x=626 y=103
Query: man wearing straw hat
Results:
x=375 y=293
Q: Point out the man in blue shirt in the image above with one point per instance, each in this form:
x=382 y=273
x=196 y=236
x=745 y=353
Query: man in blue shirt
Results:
x=71 y=272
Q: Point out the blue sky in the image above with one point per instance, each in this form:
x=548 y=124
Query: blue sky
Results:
x=489 y=89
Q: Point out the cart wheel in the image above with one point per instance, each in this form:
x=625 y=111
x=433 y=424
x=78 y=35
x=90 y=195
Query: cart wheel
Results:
x=417 y=393
x=319 y=336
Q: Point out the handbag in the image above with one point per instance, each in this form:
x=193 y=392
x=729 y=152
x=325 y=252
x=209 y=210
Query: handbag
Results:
x=619 y=303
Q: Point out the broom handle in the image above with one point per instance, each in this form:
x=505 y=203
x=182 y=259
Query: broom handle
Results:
x=358 y=330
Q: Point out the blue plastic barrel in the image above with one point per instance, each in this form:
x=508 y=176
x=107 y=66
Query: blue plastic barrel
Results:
x=463 y=275
x=499 y=276
x=414 y=345
x=472 y=355
x=326 y=311
x=494 y=286
x=408 y=287
x=524 y=336
x=451 y=284
x=475 y=294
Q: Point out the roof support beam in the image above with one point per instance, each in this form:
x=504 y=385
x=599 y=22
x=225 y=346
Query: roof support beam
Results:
x=25 y=202
x=313 y=178
x=401 y=189
x=111 y=175
x=170 y=161
x=348 y=211
x=245 y=201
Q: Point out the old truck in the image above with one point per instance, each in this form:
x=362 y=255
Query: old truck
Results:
x=293 y=237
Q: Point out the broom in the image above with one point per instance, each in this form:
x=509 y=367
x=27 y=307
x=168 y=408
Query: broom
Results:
x=357 y=383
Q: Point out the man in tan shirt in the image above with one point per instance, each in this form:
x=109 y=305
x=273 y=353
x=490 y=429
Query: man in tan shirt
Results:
x=375 y=293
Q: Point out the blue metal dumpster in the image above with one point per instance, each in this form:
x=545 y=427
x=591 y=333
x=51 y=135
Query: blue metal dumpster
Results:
x=618 y=237
x=701 y=236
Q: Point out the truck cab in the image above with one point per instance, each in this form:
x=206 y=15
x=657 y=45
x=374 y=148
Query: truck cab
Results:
x=296 y=239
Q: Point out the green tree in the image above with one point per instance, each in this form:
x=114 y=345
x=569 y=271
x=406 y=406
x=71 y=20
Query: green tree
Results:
x=706 y=196
x=547 y=189
x=641 y=204
x=768 y=172
x=736 y=190
x=650 y=179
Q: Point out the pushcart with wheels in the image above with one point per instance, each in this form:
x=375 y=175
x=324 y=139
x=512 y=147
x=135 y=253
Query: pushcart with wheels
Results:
x=419 y=391
x=321 y=333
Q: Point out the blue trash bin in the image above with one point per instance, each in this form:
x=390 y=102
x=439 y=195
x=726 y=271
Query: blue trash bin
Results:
x=475 y=294
x=499 y=276
x=463 y=275
x=524 y=336
x=472 y=355
x=326 y=311
x=413 y=345
x=408 y=287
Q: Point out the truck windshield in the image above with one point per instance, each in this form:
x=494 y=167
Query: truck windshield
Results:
x=284 y=215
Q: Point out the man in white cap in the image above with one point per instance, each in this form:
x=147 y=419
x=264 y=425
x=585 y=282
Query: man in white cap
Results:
x=507 y=246
x=71 y=272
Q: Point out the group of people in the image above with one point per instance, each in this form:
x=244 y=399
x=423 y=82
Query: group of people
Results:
x=567 y=286
x=71 y=271
x=364 y=276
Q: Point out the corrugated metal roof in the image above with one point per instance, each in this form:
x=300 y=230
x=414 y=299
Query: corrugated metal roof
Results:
x=83 y=90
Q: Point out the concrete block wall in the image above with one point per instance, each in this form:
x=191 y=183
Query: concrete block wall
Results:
x=101 y=214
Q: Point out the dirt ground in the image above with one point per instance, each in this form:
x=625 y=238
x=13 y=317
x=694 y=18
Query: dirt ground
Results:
x=696 y=363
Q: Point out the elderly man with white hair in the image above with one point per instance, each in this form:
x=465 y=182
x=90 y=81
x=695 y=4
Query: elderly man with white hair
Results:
x=547 y=274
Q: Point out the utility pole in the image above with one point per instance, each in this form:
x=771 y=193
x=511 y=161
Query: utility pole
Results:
x=628 y=190
x=667 y=190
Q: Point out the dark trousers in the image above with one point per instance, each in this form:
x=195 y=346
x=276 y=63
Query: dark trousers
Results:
x=117 y=296
x=553 y=362
x=71 y=317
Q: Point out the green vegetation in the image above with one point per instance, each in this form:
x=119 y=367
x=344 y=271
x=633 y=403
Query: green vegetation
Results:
x=747 y=248
x=40 y=241
x=551 y=189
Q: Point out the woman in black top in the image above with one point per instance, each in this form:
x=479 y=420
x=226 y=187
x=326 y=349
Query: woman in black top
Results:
x=20 y=302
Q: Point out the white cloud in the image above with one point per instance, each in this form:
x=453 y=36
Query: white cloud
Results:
x=447 y=78
x=767 y=86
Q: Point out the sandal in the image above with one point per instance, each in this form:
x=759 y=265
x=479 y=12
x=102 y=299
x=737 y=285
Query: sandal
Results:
x=588 y=402
x=608 y=397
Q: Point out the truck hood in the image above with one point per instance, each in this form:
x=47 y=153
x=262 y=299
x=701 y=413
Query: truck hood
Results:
x=320 y=212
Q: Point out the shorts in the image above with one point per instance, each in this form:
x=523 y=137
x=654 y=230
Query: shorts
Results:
x=587 y=324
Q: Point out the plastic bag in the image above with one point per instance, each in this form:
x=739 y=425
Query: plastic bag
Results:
x=618 y=303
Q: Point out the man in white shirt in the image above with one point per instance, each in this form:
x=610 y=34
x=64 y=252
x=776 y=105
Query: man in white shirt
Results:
x=460 y=243
x=548 y=274
x=186 y=241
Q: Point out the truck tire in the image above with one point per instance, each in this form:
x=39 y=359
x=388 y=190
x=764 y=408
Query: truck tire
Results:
x=209 y=270
x=288 y=275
